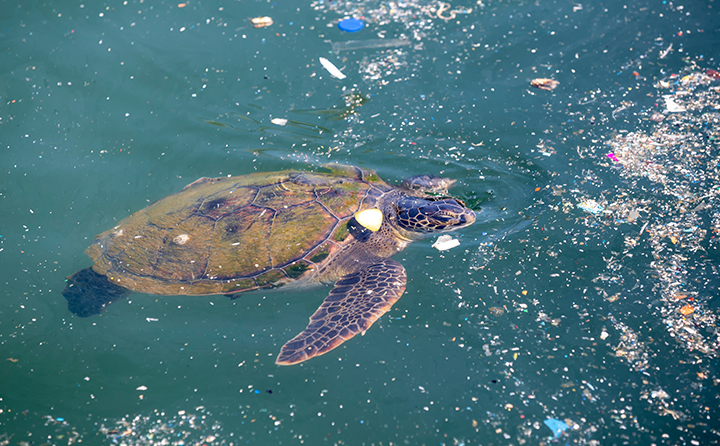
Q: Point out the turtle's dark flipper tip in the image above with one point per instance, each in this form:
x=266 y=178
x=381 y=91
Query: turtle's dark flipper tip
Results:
x=88 y=293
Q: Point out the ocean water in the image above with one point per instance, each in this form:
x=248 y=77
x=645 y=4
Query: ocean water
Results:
x=581 y=308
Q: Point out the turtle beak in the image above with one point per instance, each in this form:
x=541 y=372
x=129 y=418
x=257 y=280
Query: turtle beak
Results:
x=467 y=218
x=457 y=214
x=448 y=215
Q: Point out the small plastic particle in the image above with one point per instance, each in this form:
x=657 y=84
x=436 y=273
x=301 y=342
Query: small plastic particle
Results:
x=687 y=310
x=261 y=22
x=496 y=311
x=544 y=84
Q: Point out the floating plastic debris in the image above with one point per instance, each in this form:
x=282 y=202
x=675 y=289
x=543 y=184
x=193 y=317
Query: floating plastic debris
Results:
x=496 y=311
x=557 y=426
x=261 y=22
x=332 y=69
x=671 y=105
x=445 y=242
x=632 y=216
x=544 y=84
x=279 y=121
x=444 y=12
x=712 y=73
x=665 y=52
x=351 y=25
x=657 y=117
x=591 y=206
x=687 y=310
x=352 y=45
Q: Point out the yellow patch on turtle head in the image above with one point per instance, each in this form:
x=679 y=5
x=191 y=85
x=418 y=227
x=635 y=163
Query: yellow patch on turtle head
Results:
x=370 y=218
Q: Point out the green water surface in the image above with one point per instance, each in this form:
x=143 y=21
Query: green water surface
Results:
x=108 y=106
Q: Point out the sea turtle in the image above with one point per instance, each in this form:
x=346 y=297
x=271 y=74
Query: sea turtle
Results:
x=266 y=230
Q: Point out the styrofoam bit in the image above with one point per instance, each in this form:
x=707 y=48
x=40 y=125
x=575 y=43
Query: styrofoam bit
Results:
x=445 y=242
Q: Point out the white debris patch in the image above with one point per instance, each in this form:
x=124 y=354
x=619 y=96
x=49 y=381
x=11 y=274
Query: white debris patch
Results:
x=445 y=242
x=671 y=105
x=332 y=69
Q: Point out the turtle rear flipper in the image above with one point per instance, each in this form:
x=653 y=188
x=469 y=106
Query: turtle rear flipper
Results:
x=88 y=292
x=354 y=304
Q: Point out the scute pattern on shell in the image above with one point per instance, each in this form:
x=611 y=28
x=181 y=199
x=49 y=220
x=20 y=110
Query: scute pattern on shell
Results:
x=227 y=235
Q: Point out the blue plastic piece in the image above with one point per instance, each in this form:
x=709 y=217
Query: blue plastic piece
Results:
x=556 y=426
x=351 y=25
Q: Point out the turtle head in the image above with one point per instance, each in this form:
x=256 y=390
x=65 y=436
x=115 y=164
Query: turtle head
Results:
x=423 y=215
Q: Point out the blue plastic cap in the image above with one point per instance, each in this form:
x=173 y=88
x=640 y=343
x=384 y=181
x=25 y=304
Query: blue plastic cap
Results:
x=351 y=25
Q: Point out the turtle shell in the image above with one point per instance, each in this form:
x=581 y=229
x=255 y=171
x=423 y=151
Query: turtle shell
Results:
x=232 y=234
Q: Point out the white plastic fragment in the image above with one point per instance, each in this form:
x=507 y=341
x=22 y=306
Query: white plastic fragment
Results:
x=151 y=319
x=665 y=52
x=261 y=22
x=141 y=388
x=445 y=242
x=332 y=69
x=279 y=121
x=671 y=105
x=591 y=206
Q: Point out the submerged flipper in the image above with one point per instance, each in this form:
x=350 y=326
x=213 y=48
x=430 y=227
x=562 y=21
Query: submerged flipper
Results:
x=356 y=302
x=88 y=292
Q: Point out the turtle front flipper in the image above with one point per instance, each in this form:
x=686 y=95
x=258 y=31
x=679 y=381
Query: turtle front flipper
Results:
x=356 y=302
x=88 y=292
